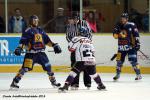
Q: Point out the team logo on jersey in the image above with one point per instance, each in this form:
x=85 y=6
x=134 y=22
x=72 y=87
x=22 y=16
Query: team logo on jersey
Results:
x=38 y=38
x=123 y=34
x=38 y=41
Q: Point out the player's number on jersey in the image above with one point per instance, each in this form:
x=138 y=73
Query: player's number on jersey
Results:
x=88 y=53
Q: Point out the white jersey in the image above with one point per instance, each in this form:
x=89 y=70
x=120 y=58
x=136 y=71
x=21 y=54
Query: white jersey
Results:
x=83 y=47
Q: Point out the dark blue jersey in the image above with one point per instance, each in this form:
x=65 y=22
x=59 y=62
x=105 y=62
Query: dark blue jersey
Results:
x=34 y=39
x=127 y=35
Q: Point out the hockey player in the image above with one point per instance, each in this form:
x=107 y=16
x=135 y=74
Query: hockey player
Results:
x=85 y=60
x=128 y=44
x=34 y=40
x=73 y=28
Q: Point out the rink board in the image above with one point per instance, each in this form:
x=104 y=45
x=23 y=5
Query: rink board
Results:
x=100 y=69
x=105 y=46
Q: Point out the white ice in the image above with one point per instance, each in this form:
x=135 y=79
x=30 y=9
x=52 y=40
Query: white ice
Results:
x=37 y=84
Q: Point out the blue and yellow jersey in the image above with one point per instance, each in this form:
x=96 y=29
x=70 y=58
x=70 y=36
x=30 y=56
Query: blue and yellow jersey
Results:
x=126 y=35
x=34 y=39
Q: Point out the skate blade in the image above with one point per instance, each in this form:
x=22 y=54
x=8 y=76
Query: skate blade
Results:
x=115 y=80
x=137 y=80
x=13 y=89
x=103 y=90
x=55 y=86
x=73 y=88
x=60 y=91
x=88 y=88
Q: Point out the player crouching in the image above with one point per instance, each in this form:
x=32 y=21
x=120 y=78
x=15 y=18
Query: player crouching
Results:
x=85 y=60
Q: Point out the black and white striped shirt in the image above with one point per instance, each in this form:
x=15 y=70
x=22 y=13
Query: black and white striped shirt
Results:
x=73 y=29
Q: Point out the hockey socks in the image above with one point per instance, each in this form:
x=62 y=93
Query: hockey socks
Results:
x=98 y=80
x=18 y=78
x=53 y=80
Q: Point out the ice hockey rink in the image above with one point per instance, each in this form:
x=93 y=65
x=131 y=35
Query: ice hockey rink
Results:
x=36 y=86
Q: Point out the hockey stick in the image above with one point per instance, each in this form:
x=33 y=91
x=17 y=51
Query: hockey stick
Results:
x=59 y=69
x=51 y=51
x=12 y=52
x=48 y=22
x=111 y=59
x=144 y=55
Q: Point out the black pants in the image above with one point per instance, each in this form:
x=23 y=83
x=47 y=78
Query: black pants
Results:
x=86 y=77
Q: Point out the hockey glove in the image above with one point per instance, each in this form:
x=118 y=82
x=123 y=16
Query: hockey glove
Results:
x=57 y=48
x=137 y=44
x=18 y=51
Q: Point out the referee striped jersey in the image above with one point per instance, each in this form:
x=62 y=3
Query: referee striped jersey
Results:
x=73 y=29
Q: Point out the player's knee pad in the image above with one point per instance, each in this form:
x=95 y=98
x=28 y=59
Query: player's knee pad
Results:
x=132 y=58
x=47 y=67
x=119 y=63
x=73 y=74
x=94 y=75
x=27 y=69
x=50 y=73
x=133 y=63
x=76 y=70
x=22 y=71
x=137 y=67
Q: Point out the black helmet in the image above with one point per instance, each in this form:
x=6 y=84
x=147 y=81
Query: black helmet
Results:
x=75 y=15
x=125 y=15
x=32 y=17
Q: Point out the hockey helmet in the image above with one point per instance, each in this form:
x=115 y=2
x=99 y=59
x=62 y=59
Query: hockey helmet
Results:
x=124 y=15
x=33 y=17
x=83 y=31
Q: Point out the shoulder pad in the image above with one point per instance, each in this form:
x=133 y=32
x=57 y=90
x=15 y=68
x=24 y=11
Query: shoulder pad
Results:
x=77 y=39
x=41 y=30
x=27 y=29
x=131 y=23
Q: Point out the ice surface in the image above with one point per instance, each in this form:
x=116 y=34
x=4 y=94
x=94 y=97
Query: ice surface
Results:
x=38 y=85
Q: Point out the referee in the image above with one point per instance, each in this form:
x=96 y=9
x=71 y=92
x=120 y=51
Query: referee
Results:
x=74 y=26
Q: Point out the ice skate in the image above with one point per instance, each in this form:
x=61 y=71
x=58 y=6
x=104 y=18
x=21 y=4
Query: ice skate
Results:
x=54 y=83
x=63 y=89
x=75 y=87
x=88 y=86
x=116 y=77
x=14 y=86
x=138 y=77
x=101 y=87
